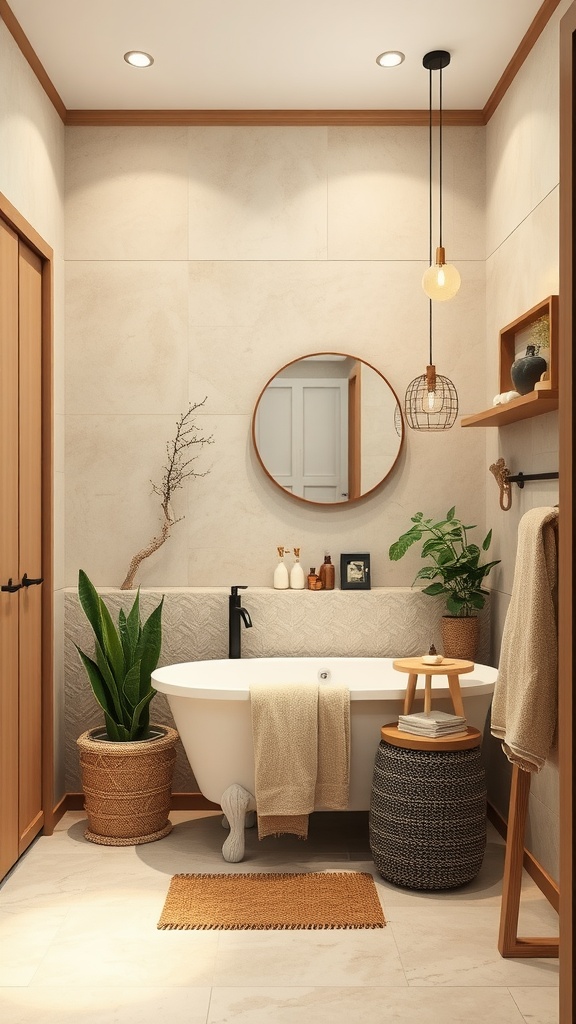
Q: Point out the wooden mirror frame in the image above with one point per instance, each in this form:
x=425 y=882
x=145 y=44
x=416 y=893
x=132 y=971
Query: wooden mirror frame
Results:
x=398 y=422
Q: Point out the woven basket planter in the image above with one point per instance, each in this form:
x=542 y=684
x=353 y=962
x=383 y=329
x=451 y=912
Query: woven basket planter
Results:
x=127 y=786
x=428 y=816
x=460 y=636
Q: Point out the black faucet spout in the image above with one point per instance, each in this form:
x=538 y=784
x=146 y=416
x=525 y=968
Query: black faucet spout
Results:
x=236 y=614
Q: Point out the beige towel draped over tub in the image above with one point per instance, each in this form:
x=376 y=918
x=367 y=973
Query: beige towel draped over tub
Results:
x=301 y=736
x=524 y=707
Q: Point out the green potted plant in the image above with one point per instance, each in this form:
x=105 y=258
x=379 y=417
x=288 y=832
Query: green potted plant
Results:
x=127 y=766
x=458 y=574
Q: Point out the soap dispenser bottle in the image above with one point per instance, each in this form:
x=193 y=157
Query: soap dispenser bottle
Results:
x=281 y=581
x=326 y=573
x=297 y=578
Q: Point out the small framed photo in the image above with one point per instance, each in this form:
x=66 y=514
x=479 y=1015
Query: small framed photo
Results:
x=355 y=572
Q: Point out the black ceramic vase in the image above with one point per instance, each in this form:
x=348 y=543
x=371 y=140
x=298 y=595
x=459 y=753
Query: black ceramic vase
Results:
x=527 y=370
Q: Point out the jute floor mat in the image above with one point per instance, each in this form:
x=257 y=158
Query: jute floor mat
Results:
x=334 y=899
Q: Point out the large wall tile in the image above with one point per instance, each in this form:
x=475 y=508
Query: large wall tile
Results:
x=257 y=193
x=126 y=194
x=111 y=511
x=378 y=193
x=126 y=337
x=522 y=149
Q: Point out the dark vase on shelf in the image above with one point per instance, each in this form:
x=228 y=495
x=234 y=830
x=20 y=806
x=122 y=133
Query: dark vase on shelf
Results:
x=527 y=370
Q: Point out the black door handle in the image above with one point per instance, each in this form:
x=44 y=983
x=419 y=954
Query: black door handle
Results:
x=27 y=582
x=11 y=587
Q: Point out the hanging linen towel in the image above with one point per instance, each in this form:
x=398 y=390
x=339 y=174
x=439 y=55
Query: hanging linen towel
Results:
x=333 y=777
x=524 y=707
x=293 y=728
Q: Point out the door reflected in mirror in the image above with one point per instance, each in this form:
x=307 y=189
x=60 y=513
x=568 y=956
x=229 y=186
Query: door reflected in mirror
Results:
x=327 y=428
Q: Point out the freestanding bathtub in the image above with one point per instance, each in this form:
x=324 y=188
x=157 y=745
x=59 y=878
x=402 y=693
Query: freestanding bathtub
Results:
x=210 y=702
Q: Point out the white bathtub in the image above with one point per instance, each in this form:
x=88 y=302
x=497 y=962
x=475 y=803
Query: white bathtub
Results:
x=210 y=702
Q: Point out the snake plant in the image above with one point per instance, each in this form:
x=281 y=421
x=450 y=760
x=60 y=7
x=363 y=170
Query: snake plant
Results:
x=124 y=658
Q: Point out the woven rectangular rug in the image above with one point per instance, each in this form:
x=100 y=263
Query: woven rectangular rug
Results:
x=334 y=899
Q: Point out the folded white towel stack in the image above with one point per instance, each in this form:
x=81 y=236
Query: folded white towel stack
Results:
x=524 y=707
x=432 y=723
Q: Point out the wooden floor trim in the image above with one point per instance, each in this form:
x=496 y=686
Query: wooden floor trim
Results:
x=179 y=802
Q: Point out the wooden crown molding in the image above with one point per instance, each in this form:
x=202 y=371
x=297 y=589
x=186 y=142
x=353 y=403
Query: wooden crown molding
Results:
x=16 y=31
x=280 y=118
x=535 y=30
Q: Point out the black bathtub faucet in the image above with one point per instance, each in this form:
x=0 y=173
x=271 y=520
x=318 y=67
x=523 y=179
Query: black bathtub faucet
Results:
x=236 y=613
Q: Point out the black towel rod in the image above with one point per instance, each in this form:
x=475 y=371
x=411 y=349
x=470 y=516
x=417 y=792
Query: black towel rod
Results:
x=520 y=478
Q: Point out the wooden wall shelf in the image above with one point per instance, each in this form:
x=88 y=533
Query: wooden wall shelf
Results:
x=536 y=402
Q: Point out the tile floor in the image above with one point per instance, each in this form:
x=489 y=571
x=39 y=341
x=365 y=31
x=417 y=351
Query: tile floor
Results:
x=78 y=940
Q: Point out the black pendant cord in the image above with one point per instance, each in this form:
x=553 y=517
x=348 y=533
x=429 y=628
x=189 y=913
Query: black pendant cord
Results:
x=440 y=162
x=430 y=200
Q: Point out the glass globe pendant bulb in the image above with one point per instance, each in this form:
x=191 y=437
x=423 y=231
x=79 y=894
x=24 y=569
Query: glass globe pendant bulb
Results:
x=441 y=281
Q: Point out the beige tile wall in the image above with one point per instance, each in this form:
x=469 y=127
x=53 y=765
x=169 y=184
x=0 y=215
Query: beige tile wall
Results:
x=200 y=261
x=522 y=224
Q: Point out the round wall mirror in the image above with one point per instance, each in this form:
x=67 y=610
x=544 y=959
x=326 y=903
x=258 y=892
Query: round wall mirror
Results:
x=327 y=428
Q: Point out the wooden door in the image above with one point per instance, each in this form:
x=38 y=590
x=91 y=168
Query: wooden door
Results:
x=21 y=694
x=30 y=545
x=9 y=567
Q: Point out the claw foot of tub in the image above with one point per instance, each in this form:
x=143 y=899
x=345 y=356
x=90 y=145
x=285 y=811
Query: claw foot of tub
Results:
x=236 y=802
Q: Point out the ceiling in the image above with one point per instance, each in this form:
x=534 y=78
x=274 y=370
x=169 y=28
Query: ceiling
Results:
x=271 y=54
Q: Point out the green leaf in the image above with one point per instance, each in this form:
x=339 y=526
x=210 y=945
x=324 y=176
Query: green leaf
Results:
x=487 y=541
x=109 y=681
x=450 y=513
x=434 y=589
x=133 y=623
x=429 y=572
x=97 y=682
x=400 y=547
x=91 y=605
x=112 y=646
x=131 y=688
x=139 y=726
x=432 y=545
x=149 y=647
x=417 y=518
x=477 y=600
x=455 y=605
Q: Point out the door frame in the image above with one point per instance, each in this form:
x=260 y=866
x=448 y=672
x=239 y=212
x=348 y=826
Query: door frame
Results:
x=30 y=236
x=567 y=320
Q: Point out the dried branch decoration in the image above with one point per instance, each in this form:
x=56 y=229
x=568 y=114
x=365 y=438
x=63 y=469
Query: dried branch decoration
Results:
x=178 y=468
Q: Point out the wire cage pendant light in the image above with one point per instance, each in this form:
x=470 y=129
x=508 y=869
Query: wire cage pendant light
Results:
x=441 y=281
x=431 y=400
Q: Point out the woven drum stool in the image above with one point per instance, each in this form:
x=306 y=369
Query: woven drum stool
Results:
x=428 y=809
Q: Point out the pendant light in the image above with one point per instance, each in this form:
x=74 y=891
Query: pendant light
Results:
x=431 y=400
x=441 y=281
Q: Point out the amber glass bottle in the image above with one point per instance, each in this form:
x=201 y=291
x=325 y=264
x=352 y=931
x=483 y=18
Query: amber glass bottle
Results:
x=326 y=573
x=314 y=582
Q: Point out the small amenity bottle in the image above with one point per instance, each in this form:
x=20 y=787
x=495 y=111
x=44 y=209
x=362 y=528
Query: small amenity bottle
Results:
x=314 y=581
x=281 y=580
x=326 y=573
x=297 y=579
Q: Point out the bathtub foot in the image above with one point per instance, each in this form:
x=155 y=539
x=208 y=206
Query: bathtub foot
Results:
x=249 y=821
x=235 y=802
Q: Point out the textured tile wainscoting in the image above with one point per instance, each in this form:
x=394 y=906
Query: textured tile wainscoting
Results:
x=384 y=622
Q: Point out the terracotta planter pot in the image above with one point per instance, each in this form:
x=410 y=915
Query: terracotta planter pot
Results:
x=127 y=786
x=460 y=636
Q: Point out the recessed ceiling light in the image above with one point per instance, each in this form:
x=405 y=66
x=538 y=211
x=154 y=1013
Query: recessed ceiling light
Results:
x=390 y=58
x=138 y=59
